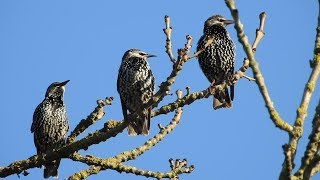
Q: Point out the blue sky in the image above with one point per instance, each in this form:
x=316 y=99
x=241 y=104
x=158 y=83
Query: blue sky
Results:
x=46 y=41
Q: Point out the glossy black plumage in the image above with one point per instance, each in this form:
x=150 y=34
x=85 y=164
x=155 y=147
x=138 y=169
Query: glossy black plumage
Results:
x=135 y=86
x=50 y=125
x=217 y=60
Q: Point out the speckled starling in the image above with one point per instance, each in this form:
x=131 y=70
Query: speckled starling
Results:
x=135 y=86
x=217 y=60
x=50 y=125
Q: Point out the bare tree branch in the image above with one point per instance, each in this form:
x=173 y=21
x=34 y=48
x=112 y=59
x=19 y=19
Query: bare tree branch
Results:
x=167 y=31
x=287 y=151
x=196 y=54
x=316 y=164
x=96 y=115
x=310 y=162
x=259 y=31
x=243 y=39
x=132 y=154
x=83 y=174
x=302 y=111
x=114 y=163
x=38 y=160
x=311 y=149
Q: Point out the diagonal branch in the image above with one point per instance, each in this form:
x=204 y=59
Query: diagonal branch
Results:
x=303 y=107
x=38 y=160
x=115 y=162
x=185 y=100
x=310 y=85
x=316 y=164
x=312 y=147
x=83 y=174
x=173 y=173
x=259 y=35
x=94 y=116
x=243 y=39
x=196 y=54
x=132 y=154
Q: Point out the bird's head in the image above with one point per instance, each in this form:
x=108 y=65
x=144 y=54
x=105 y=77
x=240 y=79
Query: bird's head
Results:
x=217 y=20
x=136 y=53
x=56 y=89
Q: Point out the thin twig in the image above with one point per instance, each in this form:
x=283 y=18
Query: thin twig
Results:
x=196 y=54
x=167 y=31
x=186 y=100
x=249 y=78
x=96 y=115
x=259 y=31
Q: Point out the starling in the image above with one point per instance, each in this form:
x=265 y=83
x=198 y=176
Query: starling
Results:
x=50 y=125
x=135 y=86
x=217 y=59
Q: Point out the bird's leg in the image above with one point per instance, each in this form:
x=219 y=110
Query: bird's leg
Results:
x=211 y=87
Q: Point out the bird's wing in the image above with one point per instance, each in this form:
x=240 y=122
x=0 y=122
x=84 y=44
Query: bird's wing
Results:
x=123 y=104
x=36 y=116
x=201 y=43
x=124 y=108
x=118 y=82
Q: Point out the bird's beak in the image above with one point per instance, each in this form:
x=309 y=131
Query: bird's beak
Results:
x=227 y=22
x=150 y=55
x=64 y=83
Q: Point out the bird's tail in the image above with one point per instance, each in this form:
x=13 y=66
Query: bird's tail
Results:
x=141 y=125
x=51 y=169
x=222 y=99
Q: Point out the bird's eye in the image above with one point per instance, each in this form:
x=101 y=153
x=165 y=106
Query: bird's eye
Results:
x=142 y=54
x=221 y=20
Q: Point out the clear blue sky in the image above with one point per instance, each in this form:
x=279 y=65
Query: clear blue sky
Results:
x=46 y=41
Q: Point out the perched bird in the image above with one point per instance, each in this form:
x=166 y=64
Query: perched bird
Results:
x=135 y=86
x=217 y=59
x=50 y=125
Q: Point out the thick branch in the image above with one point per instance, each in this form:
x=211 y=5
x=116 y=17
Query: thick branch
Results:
x=316 y=164
x=312 y=147
x=288 y=162
x=38 y=160
x=83 y=174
